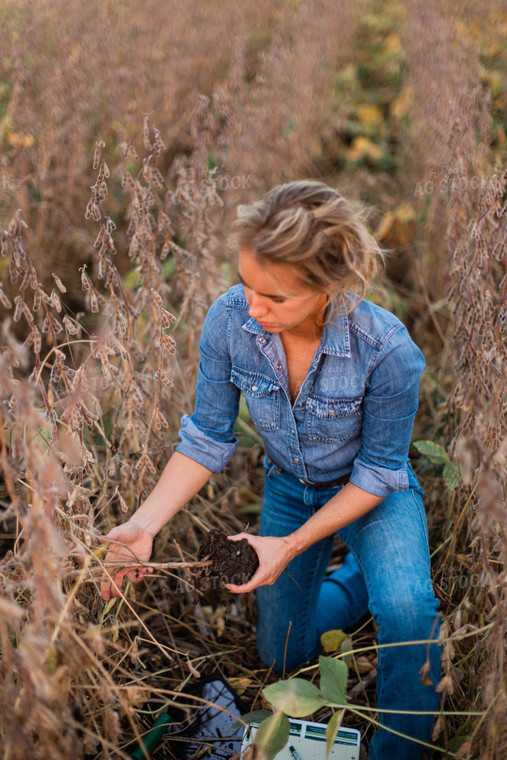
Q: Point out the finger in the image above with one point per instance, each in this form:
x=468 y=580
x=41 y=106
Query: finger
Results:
x=136 y=574
x=105 y=591
x=116 y=588
x=105 y=586
x=256 y=580
x=244 y=589
x=252 y=540
x=113 y=586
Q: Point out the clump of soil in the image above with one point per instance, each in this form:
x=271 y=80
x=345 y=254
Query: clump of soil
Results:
x=231 y=562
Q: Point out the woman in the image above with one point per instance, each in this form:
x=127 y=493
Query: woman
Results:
x=331 y=383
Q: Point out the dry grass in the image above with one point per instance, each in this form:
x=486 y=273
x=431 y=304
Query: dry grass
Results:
x=399 y=104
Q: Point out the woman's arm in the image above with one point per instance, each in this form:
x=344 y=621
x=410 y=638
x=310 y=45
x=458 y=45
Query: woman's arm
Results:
x=181 y=479
x=350 y=503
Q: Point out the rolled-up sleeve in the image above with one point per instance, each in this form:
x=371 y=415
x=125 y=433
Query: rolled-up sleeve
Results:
x=389 y=407
x=207 y=436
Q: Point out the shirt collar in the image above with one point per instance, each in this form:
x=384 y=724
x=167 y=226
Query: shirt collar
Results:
x=335 y=337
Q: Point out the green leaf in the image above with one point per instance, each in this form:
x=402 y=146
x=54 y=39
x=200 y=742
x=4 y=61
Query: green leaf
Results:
x=432 y=451
x=333 y=679
x=272 y=735
x=451 y=475
x=332 y=730
x=346 y=650
x=252 y=717
x=294 y=697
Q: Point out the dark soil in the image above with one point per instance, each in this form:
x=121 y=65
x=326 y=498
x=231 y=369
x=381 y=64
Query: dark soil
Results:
x=231 y=562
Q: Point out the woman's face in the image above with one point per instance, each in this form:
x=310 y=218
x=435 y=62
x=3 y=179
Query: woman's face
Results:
x=277 y=299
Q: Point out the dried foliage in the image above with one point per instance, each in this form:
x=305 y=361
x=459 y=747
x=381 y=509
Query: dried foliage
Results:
x=466 y=243
x=401 y=105
x=83 y=424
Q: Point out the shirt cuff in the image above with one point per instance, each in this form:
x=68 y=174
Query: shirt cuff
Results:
x=379 y=481
x=200 y=447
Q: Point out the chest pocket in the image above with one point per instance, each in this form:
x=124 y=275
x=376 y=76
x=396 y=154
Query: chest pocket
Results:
x=333 y=420
x=262 y=397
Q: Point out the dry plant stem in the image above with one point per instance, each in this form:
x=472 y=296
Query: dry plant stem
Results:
x=202 y=623
x=363 y=684
x=169 y=565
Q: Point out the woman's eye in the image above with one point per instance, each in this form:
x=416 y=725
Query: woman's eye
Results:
x=276 y=299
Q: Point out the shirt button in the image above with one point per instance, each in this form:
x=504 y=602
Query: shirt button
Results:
x=296 y=460
x=292 y=432
x=255 y=388
x=331 y=413
x=262 y=340
x=300 y=403
x=279 y=366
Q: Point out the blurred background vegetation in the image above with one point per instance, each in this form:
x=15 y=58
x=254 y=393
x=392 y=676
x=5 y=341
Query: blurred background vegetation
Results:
x=172 y=114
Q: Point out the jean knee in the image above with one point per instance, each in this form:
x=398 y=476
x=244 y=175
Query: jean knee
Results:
x=409 y=617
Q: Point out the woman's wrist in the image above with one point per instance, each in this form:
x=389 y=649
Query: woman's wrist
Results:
x=151 y=533
x=294 y=544
x=148 y=520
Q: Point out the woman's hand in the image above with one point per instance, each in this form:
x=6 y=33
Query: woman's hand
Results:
x=129 y=544
x=274 y=555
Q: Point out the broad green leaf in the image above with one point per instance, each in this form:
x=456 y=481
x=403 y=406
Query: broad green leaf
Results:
x=451 y=475
x=432 y=451
x=272 y=735
x=295 y=697
x=331 y=640
x=332 y=730
x=333 y=679
x=252 y=717
x=346 y=650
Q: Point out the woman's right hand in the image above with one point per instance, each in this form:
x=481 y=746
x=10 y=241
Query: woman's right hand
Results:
x=137 y=545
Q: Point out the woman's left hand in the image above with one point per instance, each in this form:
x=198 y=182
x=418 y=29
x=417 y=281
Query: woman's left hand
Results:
x=274 y=555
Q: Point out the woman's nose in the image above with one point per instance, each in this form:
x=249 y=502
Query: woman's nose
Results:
x=256 y=306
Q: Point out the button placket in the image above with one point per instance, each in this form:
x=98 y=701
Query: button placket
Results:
x=271 y=352
x=294 y=449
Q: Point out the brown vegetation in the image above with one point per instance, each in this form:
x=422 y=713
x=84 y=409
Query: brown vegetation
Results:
x=103 y=296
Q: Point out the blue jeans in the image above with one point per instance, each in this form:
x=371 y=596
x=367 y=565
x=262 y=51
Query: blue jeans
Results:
x=386 y=572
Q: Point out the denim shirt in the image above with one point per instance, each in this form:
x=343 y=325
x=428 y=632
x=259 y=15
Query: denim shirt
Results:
x=353 y=414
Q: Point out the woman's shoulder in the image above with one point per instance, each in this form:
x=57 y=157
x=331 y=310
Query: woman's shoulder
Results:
x=220 y=310
x=382 y=329
x=374 y=321
x=232 y=298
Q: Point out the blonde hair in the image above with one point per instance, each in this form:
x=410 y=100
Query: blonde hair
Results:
x=311 y=226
